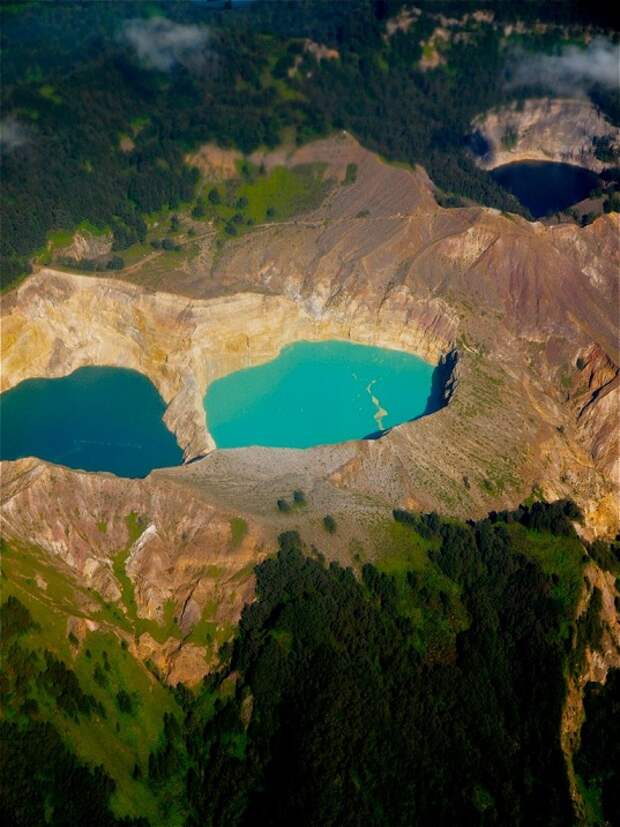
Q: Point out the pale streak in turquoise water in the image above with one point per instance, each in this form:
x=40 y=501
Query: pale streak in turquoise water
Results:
x=381 y=413
x=284 y=402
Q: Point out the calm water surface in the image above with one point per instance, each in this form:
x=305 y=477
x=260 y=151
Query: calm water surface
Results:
x=544 y=187
x=320 y=392
x=96 y=419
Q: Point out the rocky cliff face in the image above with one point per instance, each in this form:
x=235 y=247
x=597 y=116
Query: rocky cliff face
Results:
x=380 y=262
x=559 y=129
x=597 y=662
x=87 y=246
x=186 y=555
x=61 y=322
x=530 y=312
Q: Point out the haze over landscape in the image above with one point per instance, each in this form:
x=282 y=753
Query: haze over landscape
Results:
x=309 y=406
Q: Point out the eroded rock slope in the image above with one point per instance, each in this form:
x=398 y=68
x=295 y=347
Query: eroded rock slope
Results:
x=530 y=311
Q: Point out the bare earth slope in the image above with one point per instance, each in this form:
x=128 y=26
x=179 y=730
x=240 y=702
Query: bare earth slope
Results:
x=545 y=129
x=530 y=311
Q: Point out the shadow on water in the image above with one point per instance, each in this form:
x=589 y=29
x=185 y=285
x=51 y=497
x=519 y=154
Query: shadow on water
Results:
x=546 y=187
x=440 y=393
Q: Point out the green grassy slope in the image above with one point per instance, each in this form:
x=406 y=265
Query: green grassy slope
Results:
x=464 y=625
x=99 y=656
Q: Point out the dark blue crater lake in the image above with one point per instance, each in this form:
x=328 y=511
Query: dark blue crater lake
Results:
x=316 y=393
x=96 y=419
x=544 y=187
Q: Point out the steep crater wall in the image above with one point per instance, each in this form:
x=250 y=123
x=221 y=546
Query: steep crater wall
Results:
x=379 y=263
x=61 y=322
x=543 y=129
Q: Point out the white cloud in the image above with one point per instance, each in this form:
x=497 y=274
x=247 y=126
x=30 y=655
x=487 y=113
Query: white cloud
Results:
x=572 y=71
x=161 y=43
x=12 y=134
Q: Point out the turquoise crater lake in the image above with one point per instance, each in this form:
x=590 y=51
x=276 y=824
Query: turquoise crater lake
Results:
x=96 y=419
x=317 y=393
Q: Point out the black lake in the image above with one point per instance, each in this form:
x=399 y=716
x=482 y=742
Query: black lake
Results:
x=544 y=187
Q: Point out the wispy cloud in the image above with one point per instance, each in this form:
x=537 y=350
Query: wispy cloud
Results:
x=572 y=71
x=161 y=43
x=12 y=134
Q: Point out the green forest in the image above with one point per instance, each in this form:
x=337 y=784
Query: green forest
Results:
x=422 y=688
x=416 y=676
x=95 y=133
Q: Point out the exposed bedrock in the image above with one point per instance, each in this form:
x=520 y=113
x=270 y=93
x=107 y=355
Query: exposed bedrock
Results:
x=531 y=311
x=186 y=555
x=598 y=661
x=545 y=129
x=62 y=322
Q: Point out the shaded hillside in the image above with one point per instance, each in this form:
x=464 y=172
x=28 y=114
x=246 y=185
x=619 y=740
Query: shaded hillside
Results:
x=529 y=308
x=252 y=80
x=598 y=760
x=426 y=686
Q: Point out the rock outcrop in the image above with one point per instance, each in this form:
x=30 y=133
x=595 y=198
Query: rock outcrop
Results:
x=185 y=557
x=61 y=322
x=527 y=312
x=380 y=262
x=87 y=246
x=544 y=129
x=597 y=662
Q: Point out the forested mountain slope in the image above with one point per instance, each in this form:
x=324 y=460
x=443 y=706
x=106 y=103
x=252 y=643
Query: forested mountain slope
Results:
x=426 y=686
x=95 y=121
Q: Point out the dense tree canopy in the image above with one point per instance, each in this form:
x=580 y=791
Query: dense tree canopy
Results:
x=329 y=708
x=98 y=135
x=598 y=759
x=350 y=724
